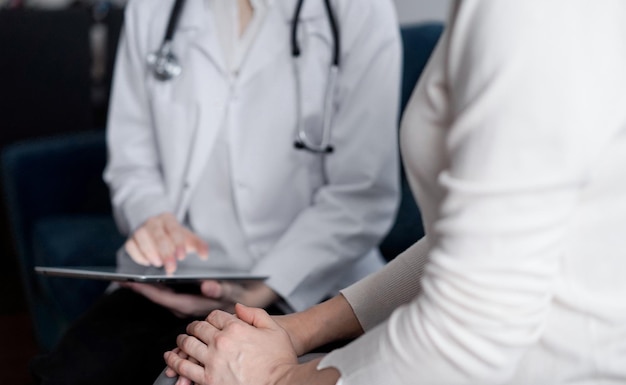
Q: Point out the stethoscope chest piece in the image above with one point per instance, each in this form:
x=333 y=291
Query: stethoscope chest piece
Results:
x=163 y=63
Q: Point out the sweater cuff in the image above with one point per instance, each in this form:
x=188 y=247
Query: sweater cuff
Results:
x=374 y=298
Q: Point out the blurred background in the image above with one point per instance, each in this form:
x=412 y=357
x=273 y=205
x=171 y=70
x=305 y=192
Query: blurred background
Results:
x=56 y=60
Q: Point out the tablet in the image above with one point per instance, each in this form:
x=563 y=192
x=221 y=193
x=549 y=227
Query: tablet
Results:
x=147 y=274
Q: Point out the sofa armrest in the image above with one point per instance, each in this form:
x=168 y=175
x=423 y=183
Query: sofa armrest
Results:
x=53 y=176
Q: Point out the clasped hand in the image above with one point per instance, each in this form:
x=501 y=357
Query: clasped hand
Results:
x=242 y=349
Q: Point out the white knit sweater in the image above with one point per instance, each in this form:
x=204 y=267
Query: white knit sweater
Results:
x=515 y=144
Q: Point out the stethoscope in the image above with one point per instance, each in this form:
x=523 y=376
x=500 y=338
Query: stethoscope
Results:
x=165 y=66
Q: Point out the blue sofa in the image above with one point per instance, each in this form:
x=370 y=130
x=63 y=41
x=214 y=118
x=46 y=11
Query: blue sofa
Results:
x=59 y=214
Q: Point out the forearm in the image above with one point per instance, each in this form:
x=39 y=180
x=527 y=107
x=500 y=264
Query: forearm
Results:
x=332 y=320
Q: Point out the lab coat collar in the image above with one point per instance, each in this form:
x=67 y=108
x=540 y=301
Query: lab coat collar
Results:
x=276 y=29
x=193 y=15
x=196 y=14
x=197 y=20
x=268 y=44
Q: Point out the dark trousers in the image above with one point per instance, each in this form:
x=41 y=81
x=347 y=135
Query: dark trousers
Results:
x=121 y=340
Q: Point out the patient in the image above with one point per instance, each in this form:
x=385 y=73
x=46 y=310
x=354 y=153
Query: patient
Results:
x=515 y=143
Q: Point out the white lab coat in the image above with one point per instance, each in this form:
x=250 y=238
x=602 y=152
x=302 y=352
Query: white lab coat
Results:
x=306 y=217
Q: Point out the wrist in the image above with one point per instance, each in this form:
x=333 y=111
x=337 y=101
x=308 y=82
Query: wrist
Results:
x=332 y=321
x=321 y=324
x=297 y=328
x=307 y=373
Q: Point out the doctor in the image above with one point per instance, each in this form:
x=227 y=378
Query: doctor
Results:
x=263 y=144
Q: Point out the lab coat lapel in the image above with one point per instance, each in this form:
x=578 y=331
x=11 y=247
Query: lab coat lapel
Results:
x=210 y=120
x=199 y=17
x=209 y=87
x=272 y=39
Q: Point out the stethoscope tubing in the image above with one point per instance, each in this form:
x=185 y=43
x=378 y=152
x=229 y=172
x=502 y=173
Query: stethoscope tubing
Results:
x=302 y=140
x=334 y=29
x=172 y=23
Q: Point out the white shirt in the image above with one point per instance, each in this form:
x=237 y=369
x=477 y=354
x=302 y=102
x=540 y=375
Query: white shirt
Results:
x=212 y=211
x=515 y=145
x=226 y=19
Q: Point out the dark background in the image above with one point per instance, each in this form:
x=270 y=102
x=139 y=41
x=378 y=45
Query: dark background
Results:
x=49 y=85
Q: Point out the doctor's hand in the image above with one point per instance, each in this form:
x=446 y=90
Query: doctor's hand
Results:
x=231 y=349
x=215 y=295
x=161 y=241
x=254 y=293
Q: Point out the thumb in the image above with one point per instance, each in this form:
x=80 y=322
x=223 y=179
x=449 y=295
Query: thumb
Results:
x=212 y=289
x=255 y=317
